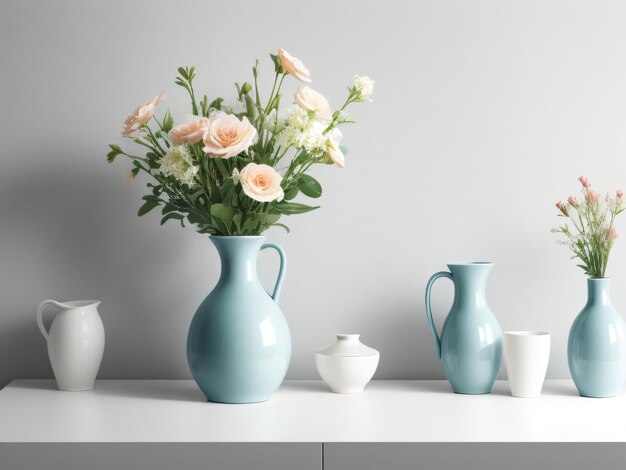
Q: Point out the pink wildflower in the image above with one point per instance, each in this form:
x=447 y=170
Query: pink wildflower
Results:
x=562 y=207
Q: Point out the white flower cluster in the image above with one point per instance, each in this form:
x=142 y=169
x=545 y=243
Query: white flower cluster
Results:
x=364 y=87
x=178 y=162
x=302 y=131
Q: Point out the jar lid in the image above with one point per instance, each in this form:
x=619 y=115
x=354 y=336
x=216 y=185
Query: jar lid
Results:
x=348 y=345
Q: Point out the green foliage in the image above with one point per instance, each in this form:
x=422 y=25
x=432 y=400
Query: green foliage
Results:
x=151 y=203
x=278 y=68
x=216 y=104
x=115 y=151
x=290 y=208
x=309 y=186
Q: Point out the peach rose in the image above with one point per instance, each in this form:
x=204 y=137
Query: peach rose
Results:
x=261 y=182
x=310 y=100
x=226 y=136
x=190 y=132
x=141 y=115
x=293 y=66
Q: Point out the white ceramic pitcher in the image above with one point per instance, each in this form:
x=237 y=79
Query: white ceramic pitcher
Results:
x=75 y=342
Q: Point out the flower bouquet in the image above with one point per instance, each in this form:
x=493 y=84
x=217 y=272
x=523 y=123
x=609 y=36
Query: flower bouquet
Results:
x=596 y=348
x=236 y=169
x=592 y=230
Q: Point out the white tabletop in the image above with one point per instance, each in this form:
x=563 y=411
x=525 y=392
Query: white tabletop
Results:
x=305 y=411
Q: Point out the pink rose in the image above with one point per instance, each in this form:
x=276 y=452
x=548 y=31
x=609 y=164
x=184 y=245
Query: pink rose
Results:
x=584 y=181
x=293 y=66
x=261 y=183
x=141 y=115
x=310 y=100
x=226 y=136
x=190 y=132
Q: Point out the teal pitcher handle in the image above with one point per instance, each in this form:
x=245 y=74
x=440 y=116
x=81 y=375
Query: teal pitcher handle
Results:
x=429 y=312
x=281 y=270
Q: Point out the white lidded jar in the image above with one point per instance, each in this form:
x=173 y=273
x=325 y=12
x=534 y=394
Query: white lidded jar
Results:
x=347 y=365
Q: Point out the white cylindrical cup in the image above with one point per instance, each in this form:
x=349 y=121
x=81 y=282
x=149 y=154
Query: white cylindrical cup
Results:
x=526 y=354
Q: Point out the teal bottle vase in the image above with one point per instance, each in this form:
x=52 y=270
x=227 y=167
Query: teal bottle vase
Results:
x=596 y=349
x=239 y=345
x=470 y=346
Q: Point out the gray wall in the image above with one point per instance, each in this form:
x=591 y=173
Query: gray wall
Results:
x=484 y=114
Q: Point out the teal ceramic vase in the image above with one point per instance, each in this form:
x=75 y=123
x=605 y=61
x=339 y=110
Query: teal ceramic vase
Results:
x=239 y=345
x=470 y=346
x=596 y=349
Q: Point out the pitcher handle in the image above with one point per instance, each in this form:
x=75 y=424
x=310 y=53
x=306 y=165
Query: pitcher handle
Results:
x=429 y=312
x=281 y=270
x=40 y=310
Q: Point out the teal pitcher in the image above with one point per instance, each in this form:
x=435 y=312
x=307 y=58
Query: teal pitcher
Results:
x=239 y=345
x=470 y=346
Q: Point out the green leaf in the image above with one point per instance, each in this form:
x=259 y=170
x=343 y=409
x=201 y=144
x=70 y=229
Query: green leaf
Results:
x=216 y=103
x=251 y=223
x=151 y=198
x=309 y=186
x=223 y=212
x=167 y=208
x=278 y=68
x=291 y=193
x=237 y=221
x=289 y=208
x=221 y=227
x=172 y=215
x=115 y=151
x=270 y=219
x=222 y=168
x=227 y=190
x=147 y=207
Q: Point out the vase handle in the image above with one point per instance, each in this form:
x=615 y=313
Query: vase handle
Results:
x=281 y=270
x=40 y=310
x=429 y=312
